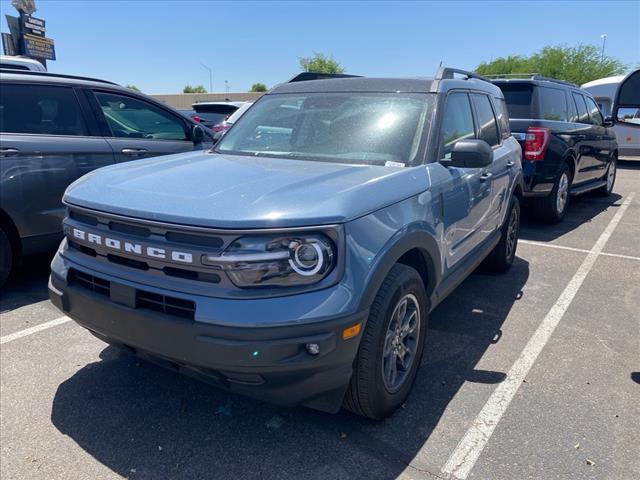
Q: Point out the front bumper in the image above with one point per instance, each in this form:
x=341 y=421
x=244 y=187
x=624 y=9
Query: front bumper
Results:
x=269 y=363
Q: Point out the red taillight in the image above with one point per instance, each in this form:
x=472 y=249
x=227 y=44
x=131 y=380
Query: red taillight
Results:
x=218 y=127
x=196 y=118
x=536 y=142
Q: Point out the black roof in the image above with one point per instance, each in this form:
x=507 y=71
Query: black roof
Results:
x=356 y=84
x=445 y=79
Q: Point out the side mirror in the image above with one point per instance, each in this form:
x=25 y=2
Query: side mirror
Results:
x=197 y=134
x=627 y=101
x=608 y=121
x=628 y=115
x=470 y=154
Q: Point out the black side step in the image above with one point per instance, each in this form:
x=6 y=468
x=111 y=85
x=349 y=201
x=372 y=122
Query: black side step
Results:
x=589 y=186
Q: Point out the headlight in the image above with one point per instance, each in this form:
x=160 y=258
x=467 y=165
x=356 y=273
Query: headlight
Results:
x=276 y=260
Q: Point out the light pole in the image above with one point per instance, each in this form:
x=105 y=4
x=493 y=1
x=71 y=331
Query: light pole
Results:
x=604 y=39
x=226 y=86
x=210 y=77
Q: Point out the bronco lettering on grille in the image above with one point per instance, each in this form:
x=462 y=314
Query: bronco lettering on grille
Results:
x=130 y=247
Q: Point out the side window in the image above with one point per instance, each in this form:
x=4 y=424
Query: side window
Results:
x=486 y=119
x=41 y=110
x=553 y=104
x=583 y=114
x=457 y=123
x=503 y=117
x=573 y=113
x=132 y=118
x=594 y=112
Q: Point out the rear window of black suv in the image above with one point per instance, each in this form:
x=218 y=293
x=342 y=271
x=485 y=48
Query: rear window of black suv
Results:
x=519 y=99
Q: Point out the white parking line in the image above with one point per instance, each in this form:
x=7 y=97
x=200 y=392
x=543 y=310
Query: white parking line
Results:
x=29 y=331
x=468 y=451
x=572 y=249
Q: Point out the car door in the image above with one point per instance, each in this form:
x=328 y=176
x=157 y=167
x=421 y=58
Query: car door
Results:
x=467 y=197
x=136 y=128
x=46 y=144
x=497 y=174
x=602 y=144
x=586 y=139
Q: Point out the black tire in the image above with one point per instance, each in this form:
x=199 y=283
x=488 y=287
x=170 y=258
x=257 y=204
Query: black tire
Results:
x=548 y=208
x=6 y=257
x=501 y=258
x=612 y=169
x=368 y=394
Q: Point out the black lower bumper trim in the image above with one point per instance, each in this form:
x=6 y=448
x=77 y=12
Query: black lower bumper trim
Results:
x=267 y=363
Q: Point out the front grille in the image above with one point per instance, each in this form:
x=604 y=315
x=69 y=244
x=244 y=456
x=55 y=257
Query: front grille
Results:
x=166 y=304
x=139 y=235
x=89 y=282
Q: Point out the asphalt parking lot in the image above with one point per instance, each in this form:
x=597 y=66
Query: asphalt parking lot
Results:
x=534 y=374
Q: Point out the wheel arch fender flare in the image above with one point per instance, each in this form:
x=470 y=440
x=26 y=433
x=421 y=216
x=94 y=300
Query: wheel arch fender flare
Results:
x=415 y=237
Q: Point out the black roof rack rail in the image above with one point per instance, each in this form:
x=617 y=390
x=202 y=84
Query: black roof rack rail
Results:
x=49 y=74
x=306 y=76
x=529 y=76
x=448 y=73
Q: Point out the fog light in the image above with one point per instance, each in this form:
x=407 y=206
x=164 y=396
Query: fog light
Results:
x=312 y=348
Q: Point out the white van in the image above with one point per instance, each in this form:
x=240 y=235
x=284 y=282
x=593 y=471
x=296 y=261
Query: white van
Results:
x=627 y=117
x=21 y=63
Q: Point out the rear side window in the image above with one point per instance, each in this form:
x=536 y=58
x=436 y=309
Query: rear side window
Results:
x=503 y=116
x=518 y=98
x=40 y=110
x=594 y=112
x=486 y=119
x=553 y=104
x=583 y=114
x=457 y=123
x=132 y=118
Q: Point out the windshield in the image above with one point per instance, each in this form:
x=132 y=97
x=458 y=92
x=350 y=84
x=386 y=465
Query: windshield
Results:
x=361 y=128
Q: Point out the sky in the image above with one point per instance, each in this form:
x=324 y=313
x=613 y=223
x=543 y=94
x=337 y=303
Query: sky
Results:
x=160 y=46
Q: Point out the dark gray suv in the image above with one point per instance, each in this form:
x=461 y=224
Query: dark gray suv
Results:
x=56 y=128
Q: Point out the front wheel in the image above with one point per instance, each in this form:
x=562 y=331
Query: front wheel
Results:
x=391 y=347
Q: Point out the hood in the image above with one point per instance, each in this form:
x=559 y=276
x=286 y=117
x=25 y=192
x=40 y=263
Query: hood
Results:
x=228 y=191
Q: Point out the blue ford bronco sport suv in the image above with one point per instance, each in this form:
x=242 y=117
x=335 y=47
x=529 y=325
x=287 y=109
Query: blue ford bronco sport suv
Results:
x=298 y=260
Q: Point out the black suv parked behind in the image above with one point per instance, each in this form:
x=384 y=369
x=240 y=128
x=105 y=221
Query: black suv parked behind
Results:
x=568 y=147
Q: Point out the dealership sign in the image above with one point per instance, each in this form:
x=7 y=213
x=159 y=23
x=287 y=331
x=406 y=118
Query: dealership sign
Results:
x=41 y=48
x=32 y=25
x=27 y=34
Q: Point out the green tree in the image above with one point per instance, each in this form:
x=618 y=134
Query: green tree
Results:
x=196 y=89
x=579 y=64
x=132 y=87
x=258 y=87
x=320 y=63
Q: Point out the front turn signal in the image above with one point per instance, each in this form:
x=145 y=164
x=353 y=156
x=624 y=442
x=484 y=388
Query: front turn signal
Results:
x=351 y=331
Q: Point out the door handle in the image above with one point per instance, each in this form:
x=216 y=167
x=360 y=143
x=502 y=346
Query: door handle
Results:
x=8 y=152
x=510 y=164
x=134 y=151
x=486 y=176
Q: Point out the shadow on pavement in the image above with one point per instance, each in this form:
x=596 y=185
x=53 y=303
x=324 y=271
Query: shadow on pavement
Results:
x=147 y=423
x=582 y=209
x=27 y=283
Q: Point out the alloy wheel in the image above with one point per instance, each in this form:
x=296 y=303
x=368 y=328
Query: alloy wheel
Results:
x=563 y=193
x=401 y=343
